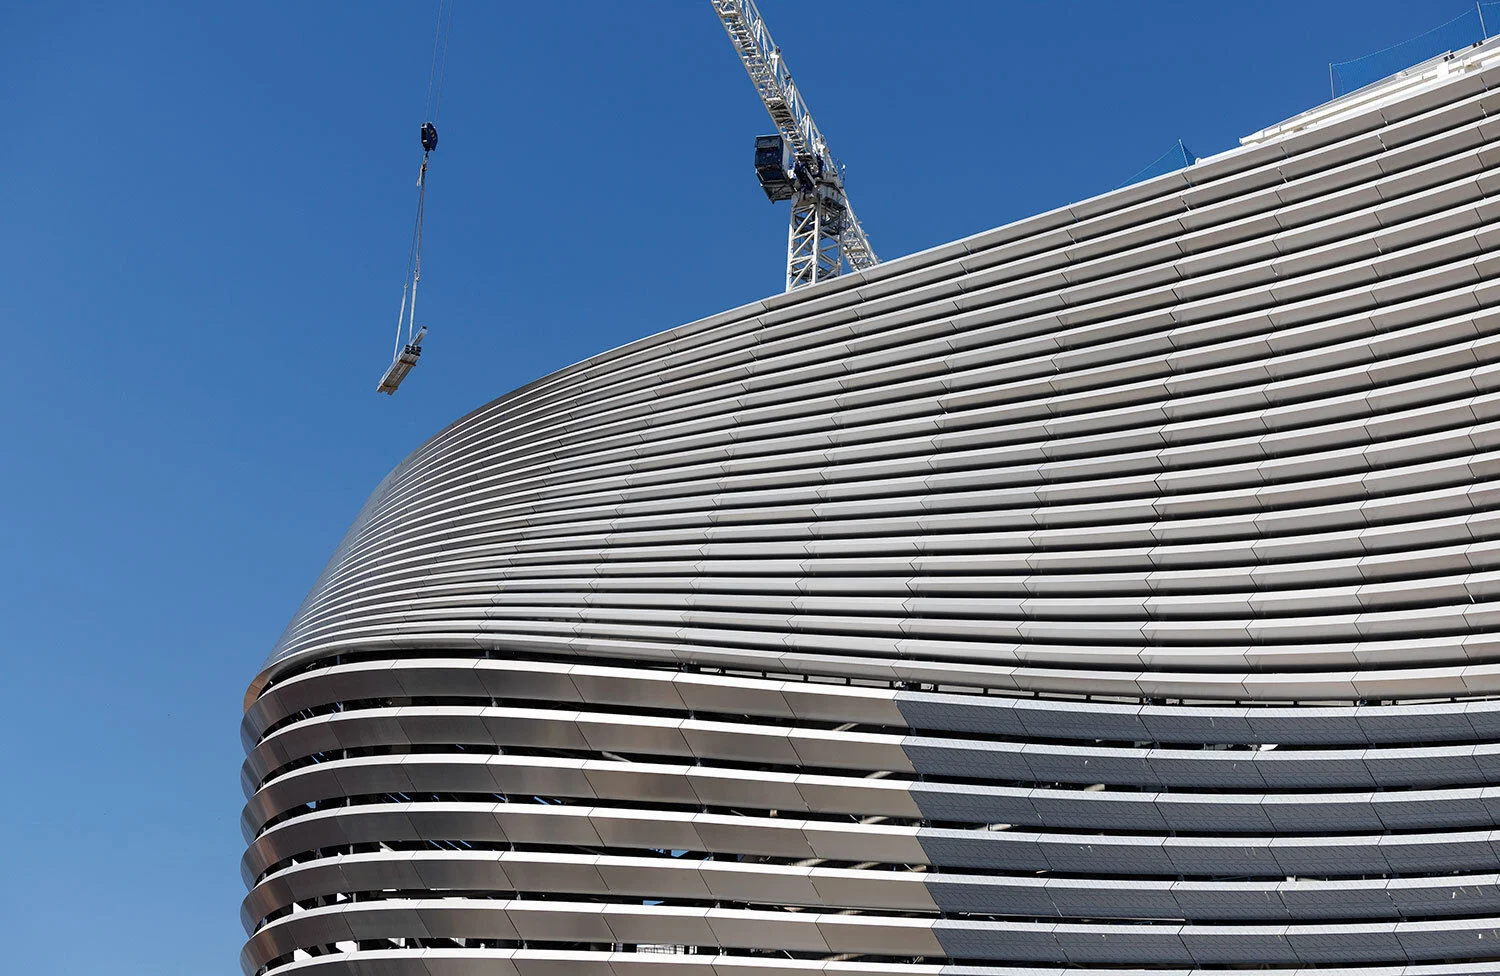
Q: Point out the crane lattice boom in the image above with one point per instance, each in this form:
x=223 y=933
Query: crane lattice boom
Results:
x=824 y=233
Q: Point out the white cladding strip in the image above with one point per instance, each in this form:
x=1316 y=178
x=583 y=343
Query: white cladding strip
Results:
x=874 y=842
x=811 y=932
x=649 y=736
x=533 y=962
x=791 y=791
x=779 y=885
x=666 y=962
x=799 y=700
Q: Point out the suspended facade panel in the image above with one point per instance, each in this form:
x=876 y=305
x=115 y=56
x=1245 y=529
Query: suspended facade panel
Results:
x=1118 y=589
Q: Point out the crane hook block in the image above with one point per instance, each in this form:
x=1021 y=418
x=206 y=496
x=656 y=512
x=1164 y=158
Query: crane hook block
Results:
x=429 y=137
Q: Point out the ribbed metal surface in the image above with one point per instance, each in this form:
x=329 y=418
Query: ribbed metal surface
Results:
x=1115 y=589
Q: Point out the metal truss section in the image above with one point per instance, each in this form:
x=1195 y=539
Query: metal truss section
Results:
x=1113 y=592
x=814 y=238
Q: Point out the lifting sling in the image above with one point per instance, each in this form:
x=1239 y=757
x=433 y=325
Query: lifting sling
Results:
x=406 y=353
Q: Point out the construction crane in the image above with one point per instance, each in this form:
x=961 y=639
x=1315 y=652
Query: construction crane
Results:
x=795 y=164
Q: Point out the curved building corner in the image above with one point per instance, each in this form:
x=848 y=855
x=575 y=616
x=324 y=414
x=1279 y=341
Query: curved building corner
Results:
x=1111 y=592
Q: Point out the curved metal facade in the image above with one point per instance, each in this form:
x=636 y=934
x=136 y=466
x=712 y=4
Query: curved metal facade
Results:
x=1116 y=589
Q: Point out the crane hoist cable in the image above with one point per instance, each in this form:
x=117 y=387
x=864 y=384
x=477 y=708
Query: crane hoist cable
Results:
x=406 y=352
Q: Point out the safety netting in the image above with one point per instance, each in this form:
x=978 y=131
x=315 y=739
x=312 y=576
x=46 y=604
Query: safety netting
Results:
x=1178 y=157
x=1480 y=22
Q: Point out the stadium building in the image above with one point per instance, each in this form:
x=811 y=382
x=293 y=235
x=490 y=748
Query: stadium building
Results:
x=1117 y=590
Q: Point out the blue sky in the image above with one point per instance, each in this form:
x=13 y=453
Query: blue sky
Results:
x=205 y=224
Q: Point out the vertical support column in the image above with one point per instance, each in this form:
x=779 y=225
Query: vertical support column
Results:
x=801 y=242
x=814 y=252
